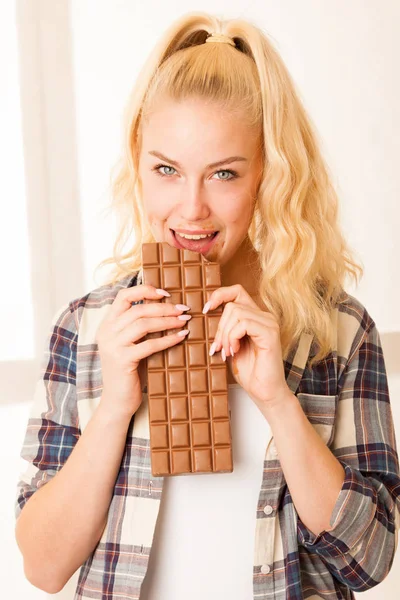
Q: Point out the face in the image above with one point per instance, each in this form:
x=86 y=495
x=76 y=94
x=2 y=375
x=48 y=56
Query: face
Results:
x=184 y=192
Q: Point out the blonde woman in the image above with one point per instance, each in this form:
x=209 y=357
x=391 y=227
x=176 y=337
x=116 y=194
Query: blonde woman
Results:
x=219 y=156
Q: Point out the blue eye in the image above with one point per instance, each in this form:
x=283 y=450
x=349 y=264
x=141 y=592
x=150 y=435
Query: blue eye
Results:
x=233 y=174
x=162 y=167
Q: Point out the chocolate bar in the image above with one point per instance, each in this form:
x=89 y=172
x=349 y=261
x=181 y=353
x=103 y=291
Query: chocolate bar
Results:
x=190 y=430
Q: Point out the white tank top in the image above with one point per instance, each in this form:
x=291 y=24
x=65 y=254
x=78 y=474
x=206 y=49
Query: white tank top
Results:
x=203 y=544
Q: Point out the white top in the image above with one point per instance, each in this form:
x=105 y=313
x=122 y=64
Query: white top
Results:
x=203 y=545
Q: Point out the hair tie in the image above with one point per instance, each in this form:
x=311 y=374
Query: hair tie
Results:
x=220 y=38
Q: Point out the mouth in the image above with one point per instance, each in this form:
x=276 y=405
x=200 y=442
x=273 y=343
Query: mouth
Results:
x=202 y=245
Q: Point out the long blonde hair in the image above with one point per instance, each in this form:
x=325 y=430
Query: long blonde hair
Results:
x=303 y=255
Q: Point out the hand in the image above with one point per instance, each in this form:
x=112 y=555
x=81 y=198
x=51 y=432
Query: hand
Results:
x=121 y=349
x=253 y=336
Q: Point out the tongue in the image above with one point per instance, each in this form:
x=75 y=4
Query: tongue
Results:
x=194 y=245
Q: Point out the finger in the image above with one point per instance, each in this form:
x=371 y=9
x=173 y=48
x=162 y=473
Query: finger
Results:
x=263 y=334
x=141 y=327
x=124 y=298
x=224 y=319
x=148 y=347
x=232 y=293
x=154 y=309
x=234 y=314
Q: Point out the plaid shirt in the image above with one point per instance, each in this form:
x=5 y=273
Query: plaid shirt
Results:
x=346 y=399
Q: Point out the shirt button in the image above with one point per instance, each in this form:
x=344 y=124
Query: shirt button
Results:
x=268 y=509
x=265 y=569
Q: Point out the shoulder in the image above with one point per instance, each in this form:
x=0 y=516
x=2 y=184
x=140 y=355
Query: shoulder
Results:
x=353 y=323
x=352 y=326
x=93 y=305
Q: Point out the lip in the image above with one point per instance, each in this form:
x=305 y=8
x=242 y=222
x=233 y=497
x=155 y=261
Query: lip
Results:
x=205 y=249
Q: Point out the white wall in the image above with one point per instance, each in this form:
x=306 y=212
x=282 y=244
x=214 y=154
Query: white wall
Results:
x=78 y=62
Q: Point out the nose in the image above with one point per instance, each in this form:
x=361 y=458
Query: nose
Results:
x=194 y=205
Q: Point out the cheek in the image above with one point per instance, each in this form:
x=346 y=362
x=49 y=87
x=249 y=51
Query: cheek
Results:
x=153 y=208
x=159 y=199
x=154 y=216
x=237 y=211
x=150 y=194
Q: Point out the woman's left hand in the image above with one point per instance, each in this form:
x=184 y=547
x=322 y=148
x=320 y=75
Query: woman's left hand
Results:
x=257 y=364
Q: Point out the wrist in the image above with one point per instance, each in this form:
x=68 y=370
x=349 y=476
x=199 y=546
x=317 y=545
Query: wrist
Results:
x=110 y=413
x=282 y=405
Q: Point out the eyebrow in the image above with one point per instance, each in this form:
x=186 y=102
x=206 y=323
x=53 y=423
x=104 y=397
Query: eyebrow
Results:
x=230 y=159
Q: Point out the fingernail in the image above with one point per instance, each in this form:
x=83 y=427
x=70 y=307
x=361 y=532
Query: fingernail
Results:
x=163 y=293
x=207 y=307
x=183 y=332
x=231 y=350
x=182 y=307
x=223 y=355
x=212 y=349
x=185 y=317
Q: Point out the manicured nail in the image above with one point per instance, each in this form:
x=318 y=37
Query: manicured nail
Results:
x=185 y=317
x=183 y=332
x=223 y=354
x=163 y=293
x=231 y=351
x=182 y=307
x=212 y=349
x=207 y=307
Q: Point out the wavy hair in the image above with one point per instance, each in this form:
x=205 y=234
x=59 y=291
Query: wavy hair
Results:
x=303 y=255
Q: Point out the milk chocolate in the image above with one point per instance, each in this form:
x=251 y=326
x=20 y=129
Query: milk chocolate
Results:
x=190 y=430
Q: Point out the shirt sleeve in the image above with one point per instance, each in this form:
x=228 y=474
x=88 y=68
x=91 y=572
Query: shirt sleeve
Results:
x=360 y=545
x=52 y=429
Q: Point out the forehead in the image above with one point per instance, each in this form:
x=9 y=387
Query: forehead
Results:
x=197 y=123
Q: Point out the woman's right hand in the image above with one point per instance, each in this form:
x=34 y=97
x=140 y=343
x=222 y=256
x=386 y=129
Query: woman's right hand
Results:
x=121 y=350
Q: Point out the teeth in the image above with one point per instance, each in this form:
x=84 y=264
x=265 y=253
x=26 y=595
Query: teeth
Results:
x=194 y=237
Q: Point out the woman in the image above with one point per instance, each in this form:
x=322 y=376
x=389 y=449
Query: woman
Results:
x=218 y=145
